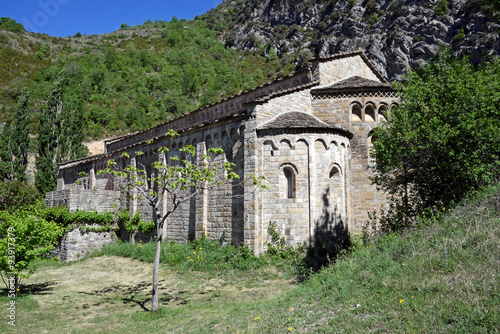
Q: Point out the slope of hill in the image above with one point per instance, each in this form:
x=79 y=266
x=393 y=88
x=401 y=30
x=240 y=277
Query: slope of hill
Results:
x=441 y=278
x=134 y=78
x=139 y=76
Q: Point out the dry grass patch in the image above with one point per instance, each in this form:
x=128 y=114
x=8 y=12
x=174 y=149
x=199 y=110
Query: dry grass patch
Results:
x=111 y=294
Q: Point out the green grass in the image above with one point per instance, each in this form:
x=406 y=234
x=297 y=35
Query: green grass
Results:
x=441 y=278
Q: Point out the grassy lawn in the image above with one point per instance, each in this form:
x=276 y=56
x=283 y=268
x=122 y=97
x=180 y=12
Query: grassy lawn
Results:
x=110 y=294
x=441 y=278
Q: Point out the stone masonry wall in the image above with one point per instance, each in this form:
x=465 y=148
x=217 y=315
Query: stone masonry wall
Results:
x=342 y=68
x=84 y=199
x=76 y=244
x=373 y=110
x=307 y=179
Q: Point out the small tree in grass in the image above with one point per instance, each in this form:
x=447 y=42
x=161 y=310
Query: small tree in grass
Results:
x=23 y=238
x=181 y=180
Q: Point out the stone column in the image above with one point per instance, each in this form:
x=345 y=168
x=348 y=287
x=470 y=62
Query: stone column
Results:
x=92 y=178
x=312 y=180
x=252 y=234
x=201 y=215
x=60 y=180
x=133 y=192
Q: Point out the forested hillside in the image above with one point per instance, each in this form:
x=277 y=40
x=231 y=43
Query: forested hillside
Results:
x=139 y=76
x=134 y=78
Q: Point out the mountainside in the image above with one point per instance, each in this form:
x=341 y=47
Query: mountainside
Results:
x=143 y=75
x=394 y=34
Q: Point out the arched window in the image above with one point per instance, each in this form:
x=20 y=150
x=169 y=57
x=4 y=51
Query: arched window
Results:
x=356 y=113
x=290 y=182
x=369 y=113
x=382 y=112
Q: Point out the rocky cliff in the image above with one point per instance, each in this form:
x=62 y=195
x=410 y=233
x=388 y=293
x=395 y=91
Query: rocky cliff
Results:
x=395 y=34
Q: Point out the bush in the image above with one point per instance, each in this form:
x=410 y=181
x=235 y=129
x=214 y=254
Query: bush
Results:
x=15 y=195
x=443 y=141
x=442 y=7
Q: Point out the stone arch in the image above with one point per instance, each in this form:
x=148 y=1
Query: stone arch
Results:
x=321 y=141
x=208 y=141
x=369 y=112
x=287 y=142
x=290 y=172
x=356 y=112
x=302 y=140
x=334 y=149
x=382 y=113
x=233 y=134
x=334 y=169
x=290 y=165
x=217 y=140
x=336 y=186
x=270 y=145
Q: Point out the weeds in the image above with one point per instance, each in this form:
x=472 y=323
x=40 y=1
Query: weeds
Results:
x=201 y=254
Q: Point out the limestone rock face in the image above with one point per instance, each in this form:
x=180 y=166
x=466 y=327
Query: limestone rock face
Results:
x=395 y=35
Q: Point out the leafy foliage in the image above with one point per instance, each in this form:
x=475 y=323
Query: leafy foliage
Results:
x=24 y=238
x=278 y=247
x=15 y=195
x=180 y=181
x=443 y=141
x=6 y=23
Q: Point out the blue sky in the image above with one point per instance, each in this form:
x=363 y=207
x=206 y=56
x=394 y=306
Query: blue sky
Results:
x=63 y=18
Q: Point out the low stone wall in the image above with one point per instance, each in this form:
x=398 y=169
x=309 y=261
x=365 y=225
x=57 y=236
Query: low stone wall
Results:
x=85 y=199
x=76 y=244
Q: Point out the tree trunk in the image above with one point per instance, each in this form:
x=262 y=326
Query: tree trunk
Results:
x=156 y=268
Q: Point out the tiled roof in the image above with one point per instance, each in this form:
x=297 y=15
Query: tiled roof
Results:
x=295 y=120
x=301 y=120
x=354 y=82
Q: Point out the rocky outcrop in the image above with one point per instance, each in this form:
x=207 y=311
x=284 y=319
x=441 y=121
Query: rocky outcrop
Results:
x=395 y=35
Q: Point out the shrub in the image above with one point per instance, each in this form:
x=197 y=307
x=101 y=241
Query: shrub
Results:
x=15 y=195
x=442 y=7
x=443 y=141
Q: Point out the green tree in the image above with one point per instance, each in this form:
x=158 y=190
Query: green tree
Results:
x=60 y=137
x=180 y=180
x=23 y=238
x=14 y=142
x=443 y=141
x=15 y=195
x=9 y=24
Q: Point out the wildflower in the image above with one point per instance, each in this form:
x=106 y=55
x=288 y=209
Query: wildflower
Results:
x=401 y=301
x=257 y=318
x=290 y=329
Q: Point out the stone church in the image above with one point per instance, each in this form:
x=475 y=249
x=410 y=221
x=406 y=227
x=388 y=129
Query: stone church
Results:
x=308 y=133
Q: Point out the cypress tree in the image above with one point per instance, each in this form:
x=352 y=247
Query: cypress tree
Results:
x=14 y=142
x=6 y=166
x=60 y=136
x=49 y=141
x=21 y=136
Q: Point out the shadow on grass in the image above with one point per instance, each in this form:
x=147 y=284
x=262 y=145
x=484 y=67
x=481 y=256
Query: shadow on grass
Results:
x=34 y=289
x=138 y=294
